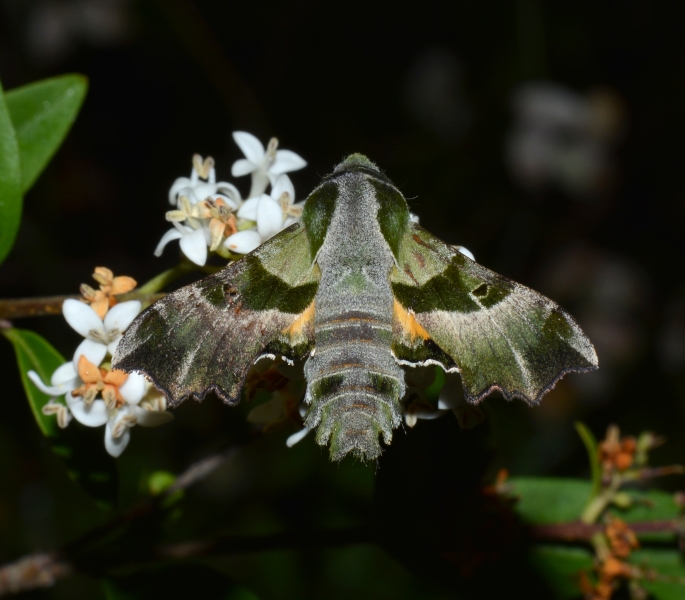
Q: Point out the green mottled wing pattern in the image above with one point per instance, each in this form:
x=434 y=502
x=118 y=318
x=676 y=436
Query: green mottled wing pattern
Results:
x=451 y=311
x=205 y=336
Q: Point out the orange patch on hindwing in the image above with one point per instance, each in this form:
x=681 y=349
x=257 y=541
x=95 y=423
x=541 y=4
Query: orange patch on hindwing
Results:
x=408 y=323
x=301 y=322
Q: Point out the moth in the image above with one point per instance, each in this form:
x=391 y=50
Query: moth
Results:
x=359 y=291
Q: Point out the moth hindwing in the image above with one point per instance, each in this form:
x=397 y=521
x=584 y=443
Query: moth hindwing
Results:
x=371 y=291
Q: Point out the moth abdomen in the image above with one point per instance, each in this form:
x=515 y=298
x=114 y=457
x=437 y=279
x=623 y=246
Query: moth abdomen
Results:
x=354 y=392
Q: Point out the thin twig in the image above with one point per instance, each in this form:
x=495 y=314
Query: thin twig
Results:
x=578 y=531
x=242 y=544
x=18 y=308
x=41 y=570
x=38 y=570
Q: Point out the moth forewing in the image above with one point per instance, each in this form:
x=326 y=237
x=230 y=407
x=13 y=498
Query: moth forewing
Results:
x=497 y=333
x=359 y=291
x=205 y=336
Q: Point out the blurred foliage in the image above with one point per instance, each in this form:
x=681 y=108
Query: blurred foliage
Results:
x=171 y=79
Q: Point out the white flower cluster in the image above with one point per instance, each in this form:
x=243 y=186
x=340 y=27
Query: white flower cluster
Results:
x=212 y=217
x=94 y=394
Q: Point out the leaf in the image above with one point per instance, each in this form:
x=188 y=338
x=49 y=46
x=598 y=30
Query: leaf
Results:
x=669 y=565
x=35 y=353
x=42 y=114
x=545 y=500
x=549 y=500
x=651 y=505
x=81 y=449
x=177 y=581
x=10 y=181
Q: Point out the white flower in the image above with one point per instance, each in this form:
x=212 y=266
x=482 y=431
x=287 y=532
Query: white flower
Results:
x=194 y=241
x=465 y=251
x=243 y=242
x=102 y=335
x=120 y=406
x=264 y=165
x=297 y=437
x=96 y=396
x=63 y=380
x=275 y=211
x=202 y=185
x=195 y=222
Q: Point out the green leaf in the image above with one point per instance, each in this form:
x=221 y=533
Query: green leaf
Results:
x=545 y=500
x=560 y=567
x=35 y=353
x=10 y=181
x=81 y=448
x=669 y=566
x=42 y=114
x=549 y=500
x=177 y=581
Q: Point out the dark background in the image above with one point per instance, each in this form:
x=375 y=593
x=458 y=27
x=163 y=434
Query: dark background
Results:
x=427 y=92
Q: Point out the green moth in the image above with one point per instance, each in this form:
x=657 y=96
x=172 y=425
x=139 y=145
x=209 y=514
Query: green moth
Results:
x=358 y=290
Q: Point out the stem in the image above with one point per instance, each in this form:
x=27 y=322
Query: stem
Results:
x=598 y=504
x=149 y=292
x=578 y=531
x=18 y=308
x=32 y=307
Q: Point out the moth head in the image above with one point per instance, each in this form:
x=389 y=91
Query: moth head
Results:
x=356 y=162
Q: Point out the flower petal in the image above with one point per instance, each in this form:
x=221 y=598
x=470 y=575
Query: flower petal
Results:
x=283 y=184
x=82 y=318
x=194 y=246
x=94 y=351
x=94 y=414
x=243 y=242
x=64 y=374
x=115 y=446
x=202 y=191
x=231 y=192
x=430 y=414
x=122 y=285
x=176 y=187
x=286 y=161
x=252 y=148
x=121 y=315
x=133 y=389
x=249 y=209
x=269 y=217
x=242 y=167
x=50 y=390
x=151 y=418
x=172 y=234
x=296 y=437
x=466 y=252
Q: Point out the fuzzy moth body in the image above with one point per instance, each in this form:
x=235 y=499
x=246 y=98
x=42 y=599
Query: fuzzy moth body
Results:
x=354 y=384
